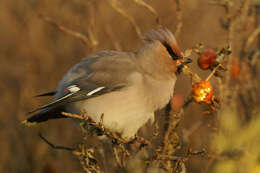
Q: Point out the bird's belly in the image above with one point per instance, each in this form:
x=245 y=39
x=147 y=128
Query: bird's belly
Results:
x=123 y=112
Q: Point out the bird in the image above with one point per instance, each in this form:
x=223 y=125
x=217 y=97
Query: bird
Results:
x=126 y=88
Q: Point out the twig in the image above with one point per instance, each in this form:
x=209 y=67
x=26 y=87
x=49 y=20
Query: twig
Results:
x=149 y=8
x=142 y=141
x=111 y=34
x=76 y=116
x=194 y=153
x=125 y=154
x=179 y=17
x=64 y=29
x=115 y=152
x=91 y=29
x=213 y=72
x=115 y=5
x=98 y=126
x=194 y=77
x=183 y=167
x=252 y=37
x=87 y=159
x=55 y=146
x=172 y=124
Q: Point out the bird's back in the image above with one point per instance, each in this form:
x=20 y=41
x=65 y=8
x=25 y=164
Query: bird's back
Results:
x=103 y=68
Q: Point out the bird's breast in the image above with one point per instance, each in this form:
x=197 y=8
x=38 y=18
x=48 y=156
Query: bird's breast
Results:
x=125 y=111
x=159 y=92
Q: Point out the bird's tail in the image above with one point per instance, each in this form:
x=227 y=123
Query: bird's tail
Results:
x=44 y=115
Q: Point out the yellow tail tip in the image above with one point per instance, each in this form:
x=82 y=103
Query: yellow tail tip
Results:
x=28 y=124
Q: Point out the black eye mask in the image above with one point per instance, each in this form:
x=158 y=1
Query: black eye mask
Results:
x=170 y=51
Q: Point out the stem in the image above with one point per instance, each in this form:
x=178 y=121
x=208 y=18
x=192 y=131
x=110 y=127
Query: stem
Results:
x=212 y=73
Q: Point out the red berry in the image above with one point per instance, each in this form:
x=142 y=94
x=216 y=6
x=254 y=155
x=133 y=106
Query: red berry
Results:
x=207 y=57
x=202 y=92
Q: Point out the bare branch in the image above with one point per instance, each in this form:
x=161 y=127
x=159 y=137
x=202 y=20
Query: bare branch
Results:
x=149 y=8
x=179 y=17
x=252 y=37
x=213 y=72
x=66 y=30
x=116 y=6
x=115 y=152
x=55 y=146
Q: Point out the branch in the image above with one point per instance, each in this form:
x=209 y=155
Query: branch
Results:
x=149 y=8
x=115 y=5
x=66 y=30
x=252 y=37
x=99 y=126
x=56 y=146
x=179 y=17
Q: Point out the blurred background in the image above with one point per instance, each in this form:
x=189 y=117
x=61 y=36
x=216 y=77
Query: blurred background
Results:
x=40 y=41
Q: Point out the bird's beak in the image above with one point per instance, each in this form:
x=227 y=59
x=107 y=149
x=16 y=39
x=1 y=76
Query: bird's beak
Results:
x=181 y=63
x=185 y=61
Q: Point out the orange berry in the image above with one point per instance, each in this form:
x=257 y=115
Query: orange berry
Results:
x=207 y=57
x=202 y=92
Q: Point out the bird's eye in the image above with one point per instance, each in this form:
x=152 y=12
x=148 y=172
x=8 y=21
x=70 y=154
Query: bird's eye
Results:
x=170 y=51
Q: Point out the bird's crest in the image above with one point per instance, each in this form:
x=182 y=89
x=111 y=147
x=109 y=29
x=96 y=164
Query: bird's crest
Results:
x=167 y=39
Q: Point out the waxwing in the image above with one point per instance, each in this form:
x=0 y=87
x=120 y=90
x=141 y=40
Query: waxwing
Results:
x=126 y=87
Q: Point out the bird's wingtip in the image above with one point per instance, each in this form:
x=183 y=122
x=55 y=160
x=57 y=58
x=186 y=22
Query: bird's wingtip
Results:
x=51 y=93
x=28 y=124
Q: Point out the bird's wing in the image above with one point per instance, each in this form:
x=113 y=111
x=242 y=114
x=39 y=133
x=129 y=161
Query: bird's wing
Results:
x=77 y=92
x=101 y=73
x=104 y=61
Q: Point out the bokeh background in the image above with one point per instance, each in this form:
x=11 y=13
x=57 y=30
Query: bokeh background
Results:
x=34 y=55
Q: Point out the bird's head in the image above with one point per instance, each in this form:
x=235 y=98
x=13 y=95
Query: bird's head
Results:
x=168 y=49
